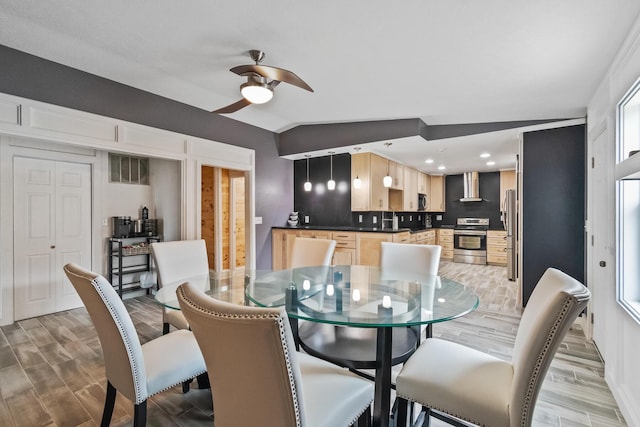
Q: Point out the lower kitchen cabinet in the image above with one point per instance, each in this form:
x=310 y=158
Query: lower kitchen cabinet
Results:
x=427 y=237
x=497 y=247
x=345 y=253
x=369 y=247
x=282 y=244
x=445 y=239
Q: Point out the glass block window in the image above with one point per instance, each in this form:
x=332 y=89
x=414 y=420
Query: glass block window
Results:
x=128 y=169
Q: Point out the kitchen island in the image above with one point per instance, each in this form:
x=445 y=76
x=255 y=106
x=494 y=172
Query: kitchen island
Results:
x=354 y=245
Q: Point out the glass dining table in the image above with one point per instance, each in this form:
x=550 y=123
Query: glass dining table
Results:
x=360 y=317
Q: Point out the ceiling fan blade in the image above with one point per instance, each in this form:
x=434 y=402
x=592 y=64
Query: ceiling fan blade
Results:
x=232 y=108
x=273 y=73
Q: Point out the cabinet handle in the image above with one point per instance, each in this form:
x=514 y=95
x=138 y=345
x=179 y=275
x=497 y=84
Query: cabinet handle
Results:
x=52 y=246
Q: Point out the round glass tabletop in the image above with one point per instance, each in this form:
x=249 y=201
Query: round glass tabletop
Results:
x=351 y=295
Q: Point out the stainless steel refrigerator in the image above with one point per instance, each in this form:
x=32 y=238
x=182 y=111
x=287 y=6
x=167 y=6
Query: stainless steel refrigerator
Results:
x=509 y=220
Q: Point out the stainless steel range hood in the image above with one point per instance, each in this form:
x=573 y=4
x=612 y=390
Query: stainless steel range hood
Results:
x=471 y=187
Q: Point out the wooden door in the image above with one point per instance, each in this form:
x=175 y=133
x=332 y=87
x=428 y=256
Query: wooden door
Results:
x=52 y=226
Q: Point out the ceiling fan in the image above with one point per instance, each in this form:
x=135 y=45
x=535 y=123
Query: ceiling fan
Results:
x=261 y=80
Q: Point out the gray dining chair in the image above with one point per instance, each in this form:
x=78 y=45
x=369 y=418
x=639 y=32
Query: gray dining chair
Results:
x=177 y=261
x=258 y=378
x=483 y=389
x=138 y=371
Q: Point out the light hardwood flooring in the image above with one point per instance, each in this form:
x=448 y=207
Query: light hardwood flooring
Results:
x=51 y=370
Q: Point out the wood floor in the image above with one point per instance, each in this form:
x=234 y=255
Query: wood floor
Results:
x=51 y=371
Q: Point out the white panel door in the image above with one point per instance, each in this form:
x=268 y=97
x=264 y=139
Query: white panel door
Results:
x=52 y=226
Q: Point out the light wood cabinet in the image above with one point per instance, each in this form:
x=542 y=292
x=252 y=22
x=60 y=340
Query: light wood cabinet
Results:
x=436 y=200
x=426 y=237
x=369 y=247
x=496 y=247
x=282 y=244
x=372 y=195
x=396 y=171
x=445 y=239
x=410 y=192
x=507 y=182
x=424 y=183
x=346 y=249
x=403 y=237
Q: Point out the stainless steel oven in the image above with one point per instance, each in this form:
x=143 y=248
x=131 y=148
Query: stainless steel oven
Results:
x=470 y=240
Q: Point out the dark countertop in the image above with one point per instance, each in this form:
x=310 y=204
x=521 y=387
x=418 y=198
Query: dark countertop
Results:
x=346 y=228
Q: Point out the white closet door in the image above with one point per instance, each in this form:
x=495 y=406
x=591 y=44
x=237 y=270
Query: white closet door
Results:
x=52 y=226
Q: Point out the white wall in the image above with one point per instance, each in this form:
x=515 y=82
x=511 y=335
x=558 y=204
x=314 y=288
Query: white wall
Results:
x=48 y=131
x=615 y=333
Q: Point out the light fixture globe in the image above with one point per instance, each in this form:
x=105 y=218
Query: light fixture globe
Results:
x=357 y=183
x=256 y=90
x=387 y=181
x=307 y=186
x=331 y=185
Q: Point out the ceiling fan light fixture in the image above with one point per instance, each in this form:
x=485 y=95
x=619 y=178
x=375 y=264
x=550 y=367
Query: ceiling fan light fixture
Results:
x=256 y=90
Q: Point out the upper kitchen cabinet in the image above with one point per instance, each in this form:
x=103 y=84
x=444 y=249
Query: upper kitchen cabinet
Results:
x=507 y=182
x=396 y=172
x=424 y=183
x=372 y=194
x=436 y=199
x=405 y=200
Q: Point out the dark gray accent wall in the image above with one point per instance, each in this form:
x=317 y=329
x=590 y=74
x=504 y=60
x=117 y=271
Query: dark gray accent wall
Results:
x=35 y=78
x=489 y=207
x=553 y=204
x=324 y=207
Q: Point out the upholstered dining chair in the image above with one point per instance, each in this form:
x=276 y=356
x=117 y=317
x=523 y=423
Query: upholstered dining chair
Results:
x=483 y=389
x=310 y=252
x=178 y=261
x=410 y=258
x=257 y=377
x=137 y=371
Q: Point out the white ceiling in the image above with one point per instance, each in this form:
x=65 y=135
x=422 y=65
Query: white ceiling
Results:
x=446 y=62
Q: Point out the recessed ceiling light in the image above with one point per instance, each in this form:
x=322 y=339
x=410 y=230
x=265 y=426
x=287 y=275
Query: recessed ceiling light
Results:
x=485 y=155
x=441 y=167
x=491 y=163
x=429 y=161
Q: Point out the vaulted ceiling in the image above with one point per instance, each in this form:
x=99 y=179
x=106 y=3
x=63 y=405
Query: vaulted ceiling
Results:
x=442 y=62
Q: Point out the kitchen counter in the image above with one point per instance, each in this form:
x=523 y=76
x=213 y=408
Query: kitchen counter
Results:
x=348 y=228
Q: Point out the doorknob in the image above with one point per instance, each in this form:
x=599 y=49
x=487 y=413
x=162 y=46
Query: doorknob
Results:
x=52 y=246
x=603 y=263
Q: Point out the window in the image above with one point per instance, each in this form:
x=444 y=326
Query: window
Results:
x=128 y=170
x=627 y=172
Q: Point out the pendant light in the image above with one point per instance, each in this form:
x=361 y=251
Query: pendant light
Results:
x=307 y=184
x=387 y=180
x=357 y=183
x=331 y=184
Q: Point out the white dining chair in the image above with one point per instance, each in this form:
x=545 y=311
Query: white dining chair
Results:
x=178 y=261
x=257 y=376
x=483 y=389
x=310 y=252
x=136 y=371
x=410 y=258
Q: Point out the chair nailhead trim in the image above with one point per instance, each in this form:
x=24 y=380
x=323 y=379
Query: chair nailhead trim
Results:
x=278 y=318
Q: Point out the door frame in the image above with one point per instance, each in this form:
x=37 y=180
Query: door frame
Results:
x=11 y=147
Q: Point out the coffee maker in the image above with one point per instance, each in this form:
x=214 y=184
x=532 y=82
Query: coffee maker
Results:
x=122 y=226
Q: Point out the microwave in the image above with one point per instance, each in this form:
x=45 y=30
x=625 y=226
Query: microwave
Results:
x=422 y=202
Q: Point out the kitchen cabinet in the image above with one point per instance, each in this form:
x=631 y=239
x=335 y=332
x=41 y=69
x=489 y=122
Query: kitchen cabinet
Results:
x=507 y=182
x=372 y=195
x=282 y=244
x=424 y=183
x=346 y=249
x=396 y=171
x=436 y=200
x=426 y=237
x=445 y=239
x=497 y=247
